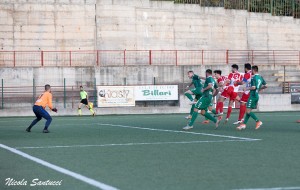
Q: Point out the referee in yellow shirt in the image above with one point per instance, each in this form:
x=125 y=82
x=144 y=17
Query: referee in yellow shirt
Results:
x=43 y=101
x=85 y=101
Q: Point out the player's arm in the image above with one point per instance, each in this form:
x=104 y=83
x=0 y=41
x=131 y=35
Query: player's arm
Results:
x=188 y=86
x=209 y=86
x=49 y=100
x=216 y=90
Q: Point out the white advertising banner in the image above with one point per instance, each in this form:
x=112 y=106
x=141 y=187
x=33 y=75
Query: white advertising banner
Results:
x=156 y=92
x=115 y=96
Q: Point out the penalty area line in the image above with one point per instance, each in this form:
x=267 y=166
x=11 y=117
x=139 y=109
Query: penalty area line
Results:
x=130 y=144
x=77 y=176
x=174 y=131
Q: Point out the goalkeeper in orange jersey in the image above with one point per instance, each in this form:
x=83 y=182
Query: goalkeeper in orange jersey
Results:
x=84 y=100
x=43 y=101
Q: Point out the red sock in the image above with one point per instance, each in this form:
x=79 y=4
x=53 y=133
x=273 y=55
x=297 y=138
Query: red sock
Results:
x=217 y=107
x=221 y=107
x=229 y=112
x=242 y=111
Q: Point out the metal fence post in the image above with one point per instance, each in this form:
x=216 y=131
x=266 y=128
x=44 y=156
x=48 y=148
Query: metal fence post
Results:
x=33 y=91
x=95 y=92
x=70 y=57
x=124 y=57
x=2 y=94
x=150 y=57
x=65 y=94
x=14 y=58
x=42 y=58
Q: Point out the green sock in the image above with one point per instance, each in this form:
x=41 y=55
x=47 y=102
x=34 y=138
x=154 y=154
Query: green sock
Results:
x=247 y=116
x=189 y=96
x=79 y=111
x=192 y=109
x=194 y=117
x=254 y=116
x=213 y=111
x=208 y=116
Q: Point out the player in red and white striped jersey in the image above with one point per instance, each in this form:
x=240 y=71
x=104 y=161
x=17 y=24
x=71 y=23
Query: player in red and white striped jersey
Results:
x=230 y=87
x=247 y=81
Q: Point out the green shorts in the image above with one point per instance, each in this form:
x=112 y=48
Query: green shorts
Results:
x=197 y=92
x=203 y=103
x=252 y=102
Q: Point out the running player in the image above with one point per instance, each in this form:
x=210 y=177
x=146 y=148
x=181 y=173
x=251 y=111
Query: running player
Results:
x=204 y=102
x=230 y=91
x=257 y=84
x=85 y=101
x=220 y=81
x=43 y=101
x=196 y=82
x=246 y=80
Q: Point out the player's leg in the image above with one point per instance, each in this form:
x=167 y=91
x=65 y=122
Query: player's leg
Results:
x=90 y=107
x=251 y=104
x=46 y=116
x=189 y=94
x=79 y=109
x=35 y=121
x=210 y=108
x=243 y=108
x=204 y=107
x=194 y=115
x=220 y=103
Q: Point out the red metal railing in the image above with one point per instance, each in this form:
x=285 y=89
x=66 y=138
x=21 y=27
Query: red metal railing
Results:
x=147 y=57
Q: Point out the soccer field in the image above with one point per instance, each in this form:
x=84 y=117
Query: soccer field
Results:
x=151 y=152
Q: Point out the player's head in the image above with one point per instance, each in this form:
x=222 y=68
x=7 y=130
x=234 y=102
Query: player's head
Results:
x=47 y=87
x=217 y=73
x=254 y=69
x=190 y=74
x=247 y=67
x=81 y=87
x=208 y=72
x=234 y=68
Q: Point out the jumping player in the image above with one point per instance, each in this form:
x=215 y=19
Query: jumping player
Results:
x=196 y=82
x=230 y=91
x=43 y=101
x=85 y=101
x=204 y=102
x=257 y=84
x=246 y=80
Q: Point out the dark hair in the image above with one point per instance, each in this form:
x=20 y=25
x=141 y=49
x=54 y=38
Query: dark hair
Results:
x=255 y=68
x=235 y=66
x=47 y=87
x=248 y=66
x=218 y=72
x=80 y=86
x=190 y=71
x=209 y=71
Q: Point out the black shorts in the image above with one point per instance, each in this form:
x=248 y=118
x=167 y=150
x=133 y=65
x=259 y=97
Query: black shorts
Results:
x=84 y=101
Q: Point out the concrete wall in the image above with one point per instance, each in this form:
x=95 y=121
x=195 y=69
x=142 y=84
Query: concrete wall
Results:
x=266 y=103
x=139 y=24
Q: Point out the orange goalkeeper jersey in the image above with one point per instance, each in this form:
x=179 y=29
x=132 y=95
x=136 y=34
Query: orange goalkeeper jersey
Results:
x=45 y=100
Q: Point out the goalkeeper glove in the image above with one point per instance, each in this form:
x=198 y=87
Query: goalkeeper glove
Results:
x=54 y=109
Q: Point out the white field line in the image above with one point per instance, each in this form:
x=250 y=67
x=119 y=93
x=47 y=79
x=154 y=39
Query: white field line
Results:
x=130 y=144
x=77 y=176
x=273 y=188
x=174 y=131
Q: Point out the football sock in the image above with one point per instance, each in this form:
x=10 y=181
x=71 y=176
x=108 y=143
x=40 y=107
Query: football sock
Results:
x=221 y=105
x=194 y=117
x=208 y=116
x=192 y=109
x=254 y=116
x=242 y=111
x=213 y=111
x=91 y=110
x=79 y=111
x=189 y=96
x=229 y=112
x=246 y=118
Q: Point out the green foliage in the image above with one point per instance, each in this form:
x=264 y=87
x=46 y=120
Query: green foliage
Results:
x=275 y=7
